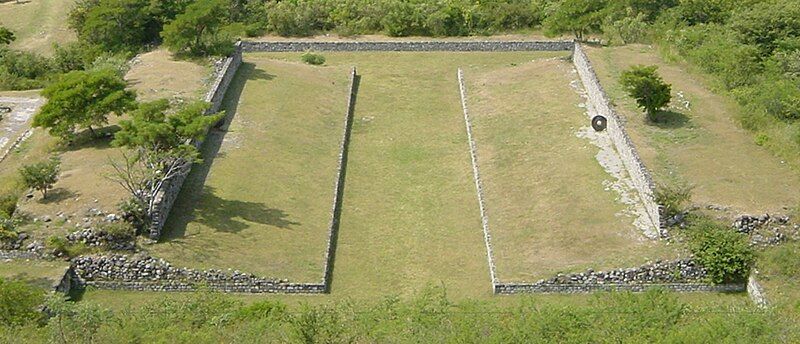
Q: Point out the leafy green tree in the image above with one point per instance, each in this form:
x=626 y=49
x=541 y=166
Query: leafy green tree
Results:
x=767 y=24
x=83 y=99
x=196 y=31
x=19 y=303
x=648 y=89
x=42 y=175
x=578 y=17
x=724 y=253
x=118 y=25
x=162 y=146
x=6 y=36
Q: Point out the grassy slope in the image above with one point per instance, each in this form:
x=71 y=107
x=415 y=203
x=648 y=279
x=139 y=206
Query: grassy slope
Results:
x=83 y=183
x=44 y=274
x=37 y=24
x=704 y=147
x=549 y=209
x=264 y=207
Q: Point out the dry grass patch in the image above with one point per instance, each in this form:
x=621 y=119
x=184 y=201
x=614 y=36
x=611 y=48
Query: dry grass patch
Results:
x=157 y=74
x=550 y=209
x=37 y=24
x=702 y=145
x=261 y=200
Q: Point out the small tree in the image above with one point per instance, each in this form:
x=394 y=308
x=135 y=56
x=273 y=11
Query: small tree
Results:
x=578 y=17
x=162 y=147
x=42 y=175
x=648 y=89
x=724 y=253
x=6 y=36
x=196 y=30
x=83 y=99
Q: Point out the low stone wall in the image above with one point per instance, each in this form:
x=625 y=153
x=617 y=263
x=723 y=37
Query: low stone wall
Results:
x=616 y=129
x=338 y=190
x=473 y=153
x=166 y=198
x=676 y=275
x=299 y=46
x=122 y=272
x=756 y=292
x=510 y=288
x=18 y=254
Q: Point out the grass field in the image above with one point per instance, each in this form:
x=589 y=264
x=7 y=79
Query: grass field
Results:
x=156 y=74
x=701 y=145
x=37 y=24
x=44 y=274
x=549 y=205
x=261 y=201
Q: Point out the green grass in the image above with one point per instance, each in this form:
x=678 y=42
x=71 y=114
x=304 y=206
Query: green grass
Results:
x=44 y=274
x=261 y=200
x=703 y=146
x=37 y=24
x=549 y=209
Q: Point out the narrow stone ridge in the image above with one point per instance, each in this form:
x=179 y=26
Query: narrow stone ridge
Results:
x=473 y=153
x=300 y=46
x=756 y=292
x=336 y=208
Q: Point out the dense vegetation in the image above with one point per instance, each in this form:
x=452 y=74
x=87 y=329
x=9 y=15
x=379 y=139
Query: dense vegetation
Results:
x=428 y=318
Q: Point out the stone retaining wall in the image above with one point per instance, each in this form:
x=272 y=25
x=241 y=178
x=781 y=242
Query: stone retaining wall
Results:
x=166 y=198
x=473 y=153
x=756 y=292
x=338 y=190
x=616 y=129
x=18 y=254
x=249 y=46
x=511 y=288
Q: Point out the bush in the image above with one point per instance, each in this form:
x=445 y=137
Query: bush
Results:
x=133 y=212
x=19 y=303
x=644 y=85
x=42 y=175
x=313 y=59
x=8 y=204
x=674 y=198
x=725 y=254
x=118 y=231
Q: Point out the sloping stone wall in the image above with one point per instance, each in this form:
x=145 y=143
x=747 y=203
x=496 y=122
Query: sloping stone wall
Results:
x=299 y=46
x=338 y=190
x=756 y=292
x=166 y=198
x=473 y=153
x=616 y=129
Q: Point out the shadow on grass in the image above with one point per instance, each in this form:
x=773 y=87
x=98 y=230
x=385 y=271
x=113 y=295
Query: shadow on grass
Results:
x=670 y=120
x=200 y=203
x=57 y=195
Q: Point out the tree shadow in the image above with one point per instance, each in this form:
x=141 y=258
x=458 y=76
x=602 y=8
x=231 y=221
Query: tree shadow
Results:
x=85 y=139
x=57 y=195
x=197 y=202
x=669 y=119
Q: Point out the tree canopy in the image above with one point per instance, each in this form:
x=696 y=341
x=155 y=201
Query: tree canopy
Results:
x=577 y=17
x=83 y=99
x=196 y=31
x=648 y=89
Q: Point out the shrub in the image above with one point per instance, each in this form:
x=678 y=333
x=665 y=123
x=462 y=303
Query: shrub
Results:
x=674 y=198
x=648 y=89
x=134 y=212
x=42 y=175
x=19 y=303
x=313 y=59
x=725 y=254
x=8 y=204
x=118 y=231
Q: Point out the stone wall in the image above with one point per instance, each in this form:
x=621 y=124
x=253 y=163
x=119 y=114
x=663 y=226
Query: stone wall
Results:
x=300 y=46
x=144 y=273
x=338 y=190
x=166 y=198
x=756 y=293
x=473 y=152
x=510 y=288
x=616 y=129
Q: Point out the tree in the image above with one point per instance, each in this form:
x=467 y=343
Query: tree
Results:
x=83 y=99
x=196 y=30
x=6 y=36
x=42 y=175
x=162 y=147
x=579 y=17
x=648 y=89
